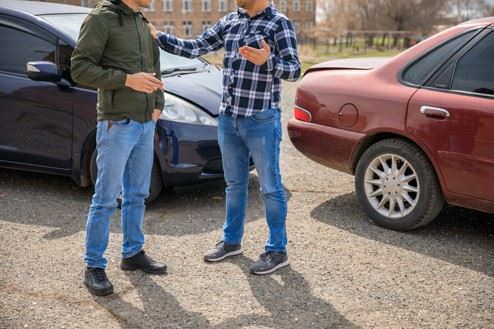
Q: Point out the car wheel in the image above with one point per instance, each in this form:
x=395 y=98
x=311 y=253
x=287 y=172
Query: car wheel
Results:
x=155 y=186
x=397 y=185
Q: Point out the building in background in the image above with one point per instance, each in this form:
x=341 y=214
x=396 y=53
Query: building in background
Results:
x=188 y=18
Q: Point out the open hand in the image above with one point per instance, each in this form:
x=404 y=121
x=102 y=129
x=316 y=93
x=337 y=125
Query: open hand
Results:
x=254 y=55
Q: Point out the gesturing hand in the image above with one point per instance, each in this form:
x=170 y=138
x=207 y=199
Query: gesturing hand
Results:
x=254 y=55
x=144 y=82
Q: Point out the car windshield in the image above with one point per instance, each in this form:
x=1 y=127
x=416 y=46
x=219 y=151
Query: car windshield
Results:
x=71 y=24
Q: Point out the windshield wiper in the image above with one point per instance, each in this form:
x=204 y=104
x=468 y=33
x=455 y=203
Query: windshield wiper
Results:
x=184 y=69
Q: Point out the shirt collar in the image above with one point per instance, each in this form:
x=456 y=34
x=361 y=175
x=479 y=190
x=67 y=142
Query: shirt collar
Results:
x=268 y=12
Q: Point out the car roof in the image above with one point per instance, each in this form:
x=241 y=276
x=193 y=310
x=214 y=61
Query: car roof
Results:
x=480 y=21
x=41 y=8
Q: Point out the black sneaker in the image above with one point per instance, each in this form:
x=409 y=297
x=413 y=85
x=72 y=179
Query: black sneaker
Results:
x=97 y=282
x=143 y=262
x=221 y=251
x=269 y=262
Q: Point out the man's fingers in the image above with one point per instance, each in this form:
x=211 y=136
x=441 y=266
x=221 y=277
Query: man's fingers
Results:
x=248 y=49
x=152 y=79
x=246 y=54
x=265 y=45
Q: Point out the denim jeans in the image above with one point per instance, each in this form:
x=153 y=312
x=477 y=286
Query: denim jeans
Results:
x=258 y=136
x=125 y=158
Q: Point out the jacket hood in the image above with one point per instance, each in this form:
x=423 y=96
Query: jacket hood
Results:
x=117 y=6
x=120 y=8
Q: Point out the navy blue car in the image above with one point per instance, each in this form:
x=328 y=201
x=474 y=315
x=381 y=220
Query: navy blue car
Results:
x=48 y=122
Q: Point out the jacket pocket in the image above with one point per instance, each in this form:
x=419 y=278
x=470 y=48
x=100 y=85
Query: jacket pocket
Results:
x=112 y=98
x=105 y=100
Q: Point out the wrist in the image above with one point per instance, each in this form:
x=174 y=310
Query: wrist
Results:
x=128 y=80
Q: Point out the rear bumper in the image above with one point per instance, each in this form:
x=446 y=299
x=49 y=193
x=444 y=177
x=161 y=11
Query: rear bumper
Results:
x=328 y=146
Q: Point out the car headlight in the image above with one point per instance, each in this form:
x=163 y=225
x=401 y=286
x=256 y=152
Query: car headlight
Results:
x=178 y=110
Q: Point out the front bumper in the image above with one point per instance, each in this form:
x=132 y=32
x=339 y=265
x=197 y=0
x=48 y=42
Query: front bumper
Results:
x=188 y=154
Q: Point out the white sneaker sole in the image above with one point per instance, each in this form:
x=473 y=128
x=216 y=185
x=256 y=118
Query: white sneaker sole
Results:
x=280 y=265
x=231 y=253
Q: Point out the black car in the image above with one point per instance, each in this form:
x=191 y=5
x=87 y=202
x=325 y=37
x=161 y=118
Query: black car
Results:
x=48 y=122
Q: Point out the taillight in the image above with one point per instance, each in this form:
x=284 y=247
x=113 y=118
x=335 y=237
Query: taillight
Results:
x=301 y=114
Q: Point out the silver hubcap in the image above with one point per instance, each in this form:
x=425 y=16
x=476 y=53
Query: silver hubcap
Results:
x=392 y=186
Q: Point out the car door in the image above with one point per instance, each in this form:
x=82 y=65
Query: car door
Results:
x=453 y=115
x=36 y=116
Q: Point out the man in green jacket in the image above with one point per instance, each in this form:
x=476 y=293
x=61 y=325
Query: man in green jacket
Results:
x=116 y=54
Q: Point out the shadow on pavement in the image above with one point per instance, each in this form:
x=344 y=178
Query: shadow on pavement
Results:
x=57 y=202
x=290 y=303
x=160 y=309
x=459 y=236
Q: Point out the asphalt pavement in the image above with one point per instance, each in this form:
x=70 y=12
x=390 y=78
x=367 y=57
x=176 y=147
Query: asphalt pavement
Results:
x=345 y=272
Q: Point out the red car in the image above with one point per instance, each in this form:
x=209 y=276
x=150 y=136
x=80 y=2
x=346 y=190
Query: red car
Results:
x=416 y=130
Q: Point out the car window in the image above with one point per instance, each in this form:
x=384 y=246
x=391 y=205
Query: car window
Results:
x=169 y=61
x=64 y=54
x=422 y=69
x=475 y=70
x=19 y=47
x=68 y=23
x=71 y=24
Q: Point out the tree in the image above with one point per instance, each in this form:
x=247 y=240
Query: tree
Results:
x=464 y=10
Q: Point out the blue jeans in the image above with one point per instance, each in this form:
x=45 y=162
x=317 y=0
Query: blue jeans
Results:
x=258 y=136
x=125 y=158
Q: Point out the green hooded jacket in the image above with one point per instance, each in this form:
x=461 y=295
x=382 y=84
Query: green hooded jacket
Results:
x=115 y=41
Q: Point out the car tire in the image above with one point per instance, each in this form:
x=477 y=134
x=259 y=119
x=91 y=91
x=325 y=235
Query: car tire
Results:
x=155 y=186
x=397 y=185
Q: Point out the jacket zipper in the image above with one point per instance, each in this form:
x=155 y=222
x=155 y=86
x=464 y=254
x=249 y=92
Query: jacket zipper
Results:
x=142 y=63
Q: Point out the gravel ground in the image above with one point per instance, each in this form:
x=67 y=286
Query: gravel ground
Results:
x=345 y=272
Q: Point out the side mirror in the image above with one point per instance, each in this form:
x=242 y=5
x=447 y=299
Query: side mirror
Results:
x=43 y=71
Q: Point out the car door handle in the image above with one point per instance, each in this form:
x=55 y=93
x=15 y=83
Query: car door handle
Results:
x=436 y=112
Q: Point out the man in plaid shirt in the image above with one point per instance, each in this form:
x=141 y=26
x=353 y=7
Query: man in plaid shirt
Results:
x=260 y=50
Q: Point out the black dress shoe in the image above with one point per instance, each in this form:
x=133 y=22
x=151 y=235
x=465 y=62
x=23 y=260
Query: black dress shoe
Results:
x=142 y=262
x=97 y=282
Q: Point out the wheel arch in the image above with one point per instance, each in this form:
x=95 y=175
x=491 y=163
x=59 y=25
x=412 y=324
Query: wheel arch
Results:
x=86 y=151
x=379 y=136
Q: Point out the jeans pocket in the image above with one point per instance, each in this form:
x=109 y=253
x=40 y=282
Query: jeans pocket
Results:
x=264 y=116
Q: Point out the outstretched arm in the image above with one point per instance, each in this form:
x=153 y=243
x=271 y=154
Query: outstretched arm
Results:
x=210 y=40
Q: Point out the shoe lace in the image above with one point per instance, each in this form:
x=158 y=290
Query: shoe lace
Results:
x=266 y=257
x=147 y=258
x=100 y=274
x=220 y=245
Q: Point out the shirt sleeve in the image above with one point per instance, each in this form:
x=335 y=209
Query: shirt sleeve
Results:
x=210 y=40
x=284 y=63
x=85 y=68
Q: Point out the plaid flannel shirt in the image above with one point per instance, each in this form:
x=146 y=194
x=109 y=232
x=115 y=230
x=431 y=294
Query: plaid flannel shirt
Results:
x=247 y=88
